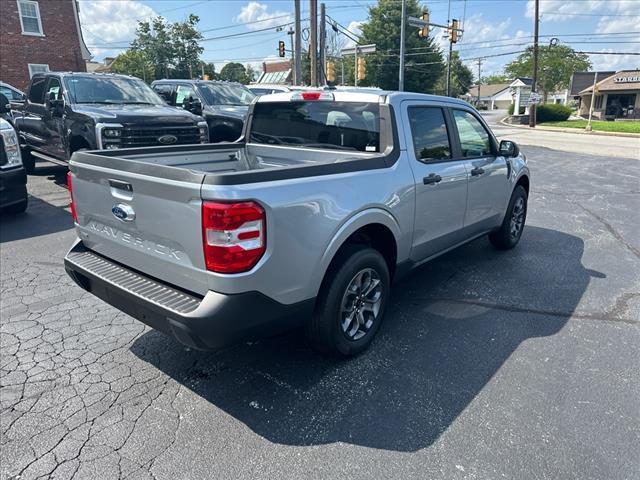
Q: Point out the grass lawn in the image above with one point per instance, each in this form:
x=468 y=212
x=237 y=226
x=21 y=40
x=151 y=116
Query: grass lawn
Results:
x=598 y=125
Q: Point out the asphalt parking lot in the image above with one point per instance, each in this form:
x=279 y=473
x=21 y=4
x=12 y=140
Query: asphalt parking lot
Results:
x=520 y=364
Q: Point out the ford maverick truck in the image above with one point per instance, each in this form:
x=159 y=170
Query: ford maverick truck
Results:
x=305 y=221
x=69 y=112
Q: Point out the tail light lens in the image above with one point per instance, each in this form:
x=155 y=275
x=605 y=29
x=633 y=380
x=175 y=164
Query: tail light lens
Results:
x=74 y=215
x=233 y=235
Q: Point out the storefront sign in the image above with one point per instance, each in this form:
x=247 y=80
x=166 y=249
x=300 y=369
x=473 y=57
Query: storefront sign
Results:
x=627 y=79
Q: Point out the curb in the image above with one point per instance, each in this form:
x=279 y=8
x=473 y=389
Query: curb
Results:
x=578 y=131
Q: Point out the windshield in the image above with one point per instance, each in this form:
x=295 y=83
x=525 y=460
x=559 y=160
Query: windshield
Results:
x=111 y=90
x=226 y=94
x=321 y=124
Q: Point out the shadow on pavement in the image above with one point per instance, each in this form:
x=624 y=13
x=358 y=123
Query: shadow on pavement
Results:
x=41 y=218
x=451 y=326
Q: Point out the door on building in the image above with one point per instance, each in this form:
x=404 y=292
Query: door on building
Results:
x=620 y=106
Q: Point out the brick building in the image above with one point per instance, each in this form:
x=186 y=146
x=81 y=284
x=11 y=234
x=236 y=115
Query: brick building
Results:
x=37 y=36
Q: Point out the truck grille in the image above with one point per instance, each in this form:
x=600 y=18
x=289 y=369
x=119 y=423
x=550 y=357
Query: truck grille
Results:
x=149 y=137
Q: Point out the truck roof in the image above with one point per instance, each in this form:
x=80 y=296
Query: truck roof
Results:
x=85 y=74
x=370 y=96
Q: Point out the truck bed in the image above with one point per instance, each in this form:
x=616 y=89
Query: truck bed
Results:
x=232 y=163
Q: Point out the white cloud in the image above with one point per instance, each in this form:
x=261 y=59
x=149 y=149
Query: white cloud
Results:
x=111 y=24
x=561 y=10
x=355 y=27
x=256 y=16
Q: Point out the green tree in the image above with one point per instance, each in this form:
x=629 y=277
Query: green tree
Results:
x=135 y=63
x=172 y=48
x=251 y=72
x=461 y=78
x=556 y=64
x=495 y=78
x=234 y=72
x=423 y=61
x=186 y=49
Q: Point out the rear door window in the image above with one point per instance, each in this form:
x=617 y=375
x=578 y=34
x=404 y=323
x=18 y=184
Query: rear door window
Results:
x=184 y=92
x=319 y=124
x=429 y=133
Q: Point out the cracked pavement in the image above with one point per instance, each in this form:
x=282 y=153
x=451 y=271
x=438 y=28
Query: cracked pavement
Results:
x=522 y=364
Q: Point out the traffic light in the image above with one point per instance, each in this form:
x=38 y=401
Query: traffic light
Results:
x=361 y=68
x=281 y=52
x=331 y=72
x=424 y=31
x=454 y=31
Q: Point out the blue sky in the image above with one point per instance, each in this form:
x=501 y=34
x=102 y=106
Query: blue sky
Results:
x=492 y=27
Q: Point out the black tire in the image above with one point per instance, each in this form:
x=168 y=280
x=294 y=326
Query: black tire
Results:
x=20 y=207
x=510 y=232
x=325 y=329
x=28 y=161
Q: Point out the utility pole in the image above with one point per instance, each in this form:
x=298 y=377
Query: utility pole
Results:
x=291 y=32
x=355 y=67
x=532 y=106
x=297 y=70
x=403 y=20
x=449 y=68
x=593 y=97
x=479 y=81
x=313 y=40
x=323 y=46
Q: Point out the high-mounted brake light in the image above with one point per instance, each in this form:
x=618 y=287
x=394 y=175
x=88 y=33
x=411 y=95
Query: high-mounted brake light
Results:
x=71 y=204
x=306 y=96
x=234 y=236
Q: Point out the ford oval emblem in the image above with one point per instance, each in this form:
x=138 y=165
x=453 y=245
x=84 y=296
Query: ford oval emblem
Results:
x=123 y=212
x=168 y=139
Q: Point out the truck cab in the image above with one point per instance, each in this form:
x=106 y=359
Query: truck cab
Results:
x=67 y=112
x=223 y=105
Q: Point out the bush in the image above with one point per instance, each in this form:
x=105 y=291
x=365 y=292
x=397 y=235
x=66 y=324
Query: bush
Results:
x=552 y=112
x=512 y=106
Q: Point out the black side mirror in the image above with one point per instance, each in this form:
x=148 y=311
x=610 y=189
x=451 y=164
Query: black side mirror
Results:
x=56 y=106
x=5 y=105
x=509 y=148
x=193 y=105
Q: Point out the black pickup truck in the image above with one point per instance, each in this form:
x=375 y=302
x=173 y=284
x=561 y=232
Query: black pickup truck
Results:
x=68 y=112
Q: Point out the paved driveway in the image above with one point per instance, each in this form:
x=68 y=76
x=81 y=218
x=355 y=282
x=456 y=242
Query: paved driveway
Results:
x=520 y=364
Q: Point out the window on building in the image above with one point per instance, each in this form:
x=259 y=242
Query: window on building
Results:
x=30 y=17
x=598 y=102
x=474 y=138
x=429 y=133
x=37 y=68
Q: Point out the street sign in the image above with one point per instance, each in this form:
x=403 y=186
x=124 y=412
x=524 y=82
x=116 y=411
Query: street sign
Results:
x=371 y=48
x=534 y=98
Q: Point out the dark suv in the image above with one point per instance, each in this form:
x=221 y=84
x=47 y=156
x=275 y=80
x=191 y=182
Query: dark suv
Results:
x=67 y=112
x=224 y=105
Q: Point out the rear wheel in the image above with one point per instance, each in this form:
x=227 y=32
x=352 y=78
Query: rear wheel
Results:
x=512 y=226
x=352 y=303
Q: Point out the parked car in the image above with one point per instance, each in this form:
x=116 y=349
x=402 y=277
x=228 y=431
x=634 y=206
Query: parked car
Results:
x=69 y=112
x=268 y=89
x=224 y=105
x=306 y=221
x=13 y=179
x=12 y=93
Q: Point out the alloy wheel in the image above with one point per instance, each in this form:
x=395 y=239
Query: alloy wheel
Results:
x=361 y=304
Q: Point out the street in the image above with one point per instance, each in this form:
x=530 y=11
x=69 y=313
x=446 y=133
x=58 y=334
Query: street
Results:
x=518 y=364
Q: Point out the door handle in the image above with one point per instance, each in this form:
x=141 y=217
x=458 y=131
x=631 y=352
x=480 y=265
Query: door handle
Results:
x=477 y=171
x=432 y=179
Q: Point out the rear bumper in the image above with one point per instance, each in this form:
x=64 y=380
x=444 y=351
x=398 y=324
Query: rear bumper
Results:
x=211 y=322
x=13 y=186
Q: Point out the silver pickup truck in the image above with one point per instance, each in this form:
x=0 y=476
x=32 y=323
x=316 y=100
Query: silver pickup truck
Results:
x=305 y=221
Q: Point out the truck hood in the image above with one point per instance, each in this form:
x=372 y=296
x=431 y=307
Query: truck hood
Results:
x=234 y=111
x=136 y=114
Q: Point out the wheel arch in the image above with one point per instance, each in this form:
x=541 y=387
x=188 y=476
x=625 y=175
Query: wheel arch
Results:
x=524 y=182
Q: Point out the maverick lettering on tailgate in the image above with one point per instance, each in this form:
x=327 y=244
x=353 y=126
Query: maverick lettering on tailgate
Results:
x=135 y=240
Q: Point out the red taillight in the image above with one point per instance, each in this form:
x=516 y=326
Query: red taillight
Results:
x=71 y=204
x=233 y=235
x=311 y=95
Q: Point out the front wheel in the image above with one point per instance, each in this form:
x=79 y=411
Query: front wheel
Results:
x=352 y=303
x=512 y=226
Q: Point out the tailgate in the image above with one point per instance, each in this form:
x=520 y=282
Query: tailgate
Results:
x=145 y=216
